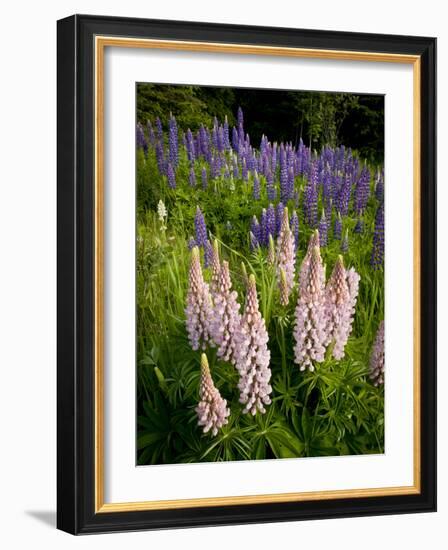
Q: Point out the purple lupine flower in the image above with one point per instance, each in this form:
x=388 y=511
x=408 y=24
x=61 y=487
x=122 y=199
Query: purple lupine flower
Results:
x=344 y=242
x=235 y=139
x=379 y=186
x=191 y=243
x=264 y=228
x=362 y=191
x=337 y=231
x=294 y=224
x=192 y=177
x=173 y=141
x=212 y=409
x=244 y=170
x=271 y=221
x=256 y=187
x=171 y=176
x=254 y=243
x=309 y=328
x=253 y=356
x=279 y=217
x=270 y=187
x=255 y=228
x=344 y=195
x=226 y=317
x=284 y=189
x=377 y=256
x=208 y=254
x=377 y=357
x=226 y=133
x=285 y=259
x=340 y=301
x=204 y=178
x=200 y=227
x=323 y=230
x=199 y=305
x=141 y=139
x=310 y=198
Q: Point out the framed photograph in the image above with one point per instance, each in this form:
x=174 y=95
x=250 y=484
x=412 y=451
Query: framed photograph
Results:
x=246 y=274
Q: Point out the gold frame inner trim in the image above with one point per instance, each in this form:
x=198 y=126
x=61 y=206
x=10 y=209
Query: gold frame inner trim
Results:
x=101 y=42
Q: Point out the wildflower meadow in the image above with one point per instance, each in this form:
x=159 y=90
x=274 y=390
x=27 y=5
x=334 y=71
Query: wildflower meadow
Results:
x=260 y=276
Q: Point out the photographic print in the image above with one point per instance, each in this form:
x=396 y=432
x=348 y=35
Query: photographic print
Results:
x=260 y=276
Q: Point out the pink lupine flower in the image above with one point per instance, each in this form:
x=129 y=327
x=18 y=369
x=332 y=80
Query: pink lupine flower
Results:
x=337 y=298
x=199 y=305
x=377 y=357
x=310 y=320
x=285 y=258
x=212 y=409
x=253 y=356
x=216 y=267
x=226 y=317
x=313 y=242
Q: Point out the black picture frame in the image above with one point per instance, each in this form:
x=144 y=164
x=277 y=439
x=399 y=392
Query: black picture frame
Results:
x=76 y=271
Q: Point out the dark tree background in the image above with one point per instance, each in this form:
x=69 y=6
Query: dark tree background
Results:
x=319 y=118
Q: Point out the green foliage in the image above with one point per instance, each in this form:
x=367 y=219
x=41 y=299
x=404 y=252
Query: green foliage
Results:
x=334 y=410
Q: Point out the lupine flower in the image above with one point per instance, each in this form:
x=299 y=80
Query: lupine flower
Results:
x=212 y=409
x=377 y=257
x=270 y=221
x=310 y=198
x=173 y=141
x=285 y=259
x=344 y=243
x=254 y=243
x=171 y=176
x=141 y=139
x=310 y=319
x=191 y=243
x=379 y=187
x=161 y=211
x=255 y=228
x=279 y=217
x=199 y=305
x=312 y=243
x=208 y=254
x=226 y=318
x=337 y=232
x=200 y=227
x=377 y=357
x=323 y=230
x=253 y=356
x=192 y=177
x=270 y=188
x=362 y=191
x=340 y=301
x=256 y=188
